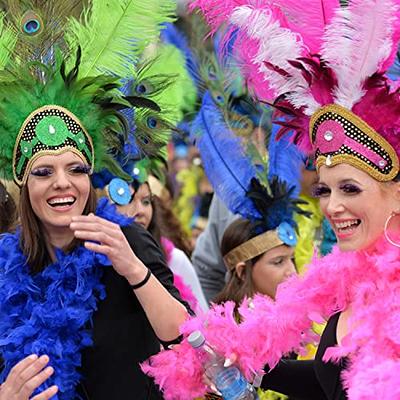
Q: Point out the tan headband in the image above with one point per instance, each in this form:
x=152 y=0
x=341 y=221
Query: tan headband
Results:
x=253 y=248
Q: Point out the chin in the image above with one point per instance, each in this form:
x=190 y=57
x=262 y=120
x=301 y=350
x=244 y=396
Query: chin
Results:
x=348 y=246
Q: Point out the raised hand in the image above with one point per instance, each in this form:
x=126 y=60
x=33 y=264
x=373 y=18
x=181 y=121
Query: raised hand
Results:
x=107 y=238
x=25 y=377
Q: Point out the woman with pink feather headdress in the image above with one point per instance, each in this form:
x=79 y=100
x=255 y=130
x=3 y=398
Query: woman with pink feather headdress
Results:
x=323 y=67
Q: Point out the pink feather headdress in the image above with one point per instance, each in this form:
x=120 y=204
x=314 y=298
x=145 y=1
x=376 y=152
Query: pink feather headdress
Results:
x=322 y=66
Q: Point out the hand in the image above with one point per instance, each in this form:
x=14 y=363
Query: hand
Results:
x=107 y=238
x=25 y=377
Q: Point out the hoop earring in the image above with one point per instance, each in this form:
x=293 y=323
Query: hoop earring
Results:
x=391 y=241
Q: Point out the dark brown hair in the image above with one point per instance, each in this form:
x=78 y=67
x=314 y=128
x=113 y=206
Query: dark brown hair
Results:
x=7 y=210
x=164 y=223
x=237 y=288
x=33 y=241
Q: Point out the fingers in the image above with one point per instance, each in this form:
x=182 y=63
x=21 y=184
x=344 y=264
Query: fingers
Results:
x=26 y=376
x=93 y=219
x=90 y=227
x=47 y=394
x=29 y=387
x=98 y=248
x=15 y=373
x=100 y=237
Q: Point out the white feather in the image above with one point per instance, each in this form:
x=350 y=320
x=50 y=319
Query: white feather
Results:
x=356 y=44
x=277 y=45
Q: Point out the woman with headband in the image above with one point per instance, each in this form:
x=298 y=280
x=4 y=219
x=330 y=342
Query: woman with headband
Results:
x=330 y=86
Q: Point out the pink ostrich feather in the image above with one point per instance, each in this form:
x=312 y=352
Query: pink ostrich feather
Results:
x=367 y=280
x=360 y=41
x=277 y=46
x=309 y=18
x=380 y=108
x=218 y=12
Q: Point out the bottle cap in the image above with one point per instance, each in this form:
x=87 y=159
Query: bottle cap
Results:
x=196 y=339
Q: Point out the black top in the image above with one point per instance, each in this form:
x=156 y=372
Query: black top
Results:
x=310 y=379
x=123 y=337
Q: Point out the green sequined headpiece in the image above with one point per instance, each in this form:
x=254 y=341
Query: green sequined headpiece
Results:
x=50 y=130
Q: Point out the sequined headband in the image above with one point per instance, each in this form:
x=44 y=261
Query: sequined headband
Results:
x=340 y=136
x=49 y=130
x=283 y=234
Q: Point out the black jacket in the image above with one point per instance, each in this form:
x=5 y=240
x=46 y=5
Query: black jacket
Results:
x=123 y=337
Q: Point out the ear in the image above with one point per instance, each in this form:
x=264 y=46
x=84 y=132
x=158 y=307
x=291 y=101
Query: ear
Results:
x=239 y=269
x=395 y=190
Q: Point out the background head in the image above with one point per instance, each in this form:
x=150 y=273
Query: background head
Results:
x=261 y=274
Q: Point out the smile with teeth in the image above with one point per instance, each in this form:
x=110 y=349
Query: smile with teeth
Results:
x=346 y=226
x=61 y=201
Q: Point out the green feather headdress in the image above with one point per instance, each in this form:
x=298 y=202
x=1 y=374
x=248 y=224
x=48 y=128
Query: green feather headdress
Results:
x=90 y=104
x=46 y=110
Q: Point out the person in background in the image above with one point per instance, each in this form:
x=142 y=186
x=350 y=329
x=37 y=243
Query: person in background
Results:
x=7 y=210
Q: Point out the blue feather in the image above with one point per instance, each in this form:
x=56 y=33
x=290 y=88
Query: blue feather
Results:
x=285 y=161
x=172 y=35
x=227 y=166
x=394 y=71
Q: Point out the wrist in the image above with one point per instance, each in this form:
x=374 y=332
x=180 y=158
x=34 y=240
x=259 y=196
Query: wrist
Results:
x=137 y=274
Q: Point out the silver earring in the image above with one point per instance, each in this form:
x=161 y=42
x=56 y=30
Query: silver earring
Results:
x=385 y=231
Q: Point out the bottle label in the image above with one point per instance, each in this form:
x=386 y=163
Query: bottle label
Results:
x=231 y=383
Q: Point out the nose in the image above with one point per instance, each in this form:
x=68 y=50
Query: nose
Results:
x=334 y=204
x=61 y=180
x=290 y=269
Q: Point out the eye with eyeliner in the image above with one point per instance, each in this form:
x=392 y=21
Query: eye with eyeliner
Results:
x=80 y=169
x=41 y=172
x=318 y=191
x=350 y=188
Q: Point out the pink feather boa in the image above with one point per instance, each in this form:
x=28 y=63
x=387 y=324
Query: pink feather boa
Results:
x=367 y=280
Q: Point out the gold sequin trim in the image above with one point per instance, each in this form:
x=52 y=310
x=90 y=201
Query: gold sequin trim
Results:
x=353 y=159
x=252 y=248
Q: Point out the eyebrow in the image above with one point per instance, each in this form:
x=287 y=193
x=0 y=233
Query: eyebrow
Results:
x=341 y=182
x=52 y=165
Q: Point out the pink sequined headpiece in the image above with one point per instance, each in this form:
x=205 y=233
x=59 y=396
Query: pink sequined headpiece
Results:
x=323 y=66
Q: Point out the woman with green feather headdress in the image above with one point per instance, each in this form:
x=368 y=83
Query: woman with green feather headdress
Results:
x=85 y=294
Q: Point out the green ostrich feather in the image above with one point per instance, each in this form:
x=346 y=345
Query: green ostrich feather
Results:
x=168 y=83
x=114 y=33
x=8 y=39
x=94 y=101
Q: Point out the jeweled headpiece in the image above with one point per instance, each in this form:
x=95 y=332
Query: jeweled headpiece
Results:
x=50 y=130
x=323 y=66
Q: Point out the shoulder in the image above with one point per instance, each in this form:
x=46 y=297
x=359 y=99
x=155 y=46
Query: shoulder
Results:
x=138 y=237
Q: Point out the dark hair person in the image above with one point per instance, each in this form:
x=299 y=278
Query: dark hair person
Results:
x=332 y=94
x=7 y=210
x=85 y=294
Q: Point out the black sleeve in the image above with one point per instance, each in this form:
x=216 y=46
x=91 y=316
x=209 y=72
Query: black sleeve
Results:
x=148 y=251
x=296 y=379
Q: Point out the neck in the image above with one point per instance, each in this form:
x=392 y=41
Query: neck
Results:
x=57 y=237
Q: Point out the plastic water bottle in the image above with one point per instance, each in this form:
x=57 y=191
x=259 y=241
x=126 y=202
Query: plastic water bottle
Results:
x=228 y=380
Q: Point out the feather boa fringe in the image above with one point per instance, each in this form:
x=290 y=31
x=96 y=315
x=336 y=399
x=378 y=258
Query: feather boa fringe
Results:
x=369 y=281
x=50 y=312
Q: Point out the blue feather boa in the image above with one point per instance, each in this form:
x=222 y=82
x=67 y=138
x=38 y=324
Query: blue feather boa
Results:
x=50 y=312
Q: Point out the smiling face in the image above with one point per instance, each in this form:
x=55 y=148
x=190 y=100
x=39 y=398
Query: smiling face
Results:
x=274 y=267
x=356 y=205
x=140 y=206
x=59 y=188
